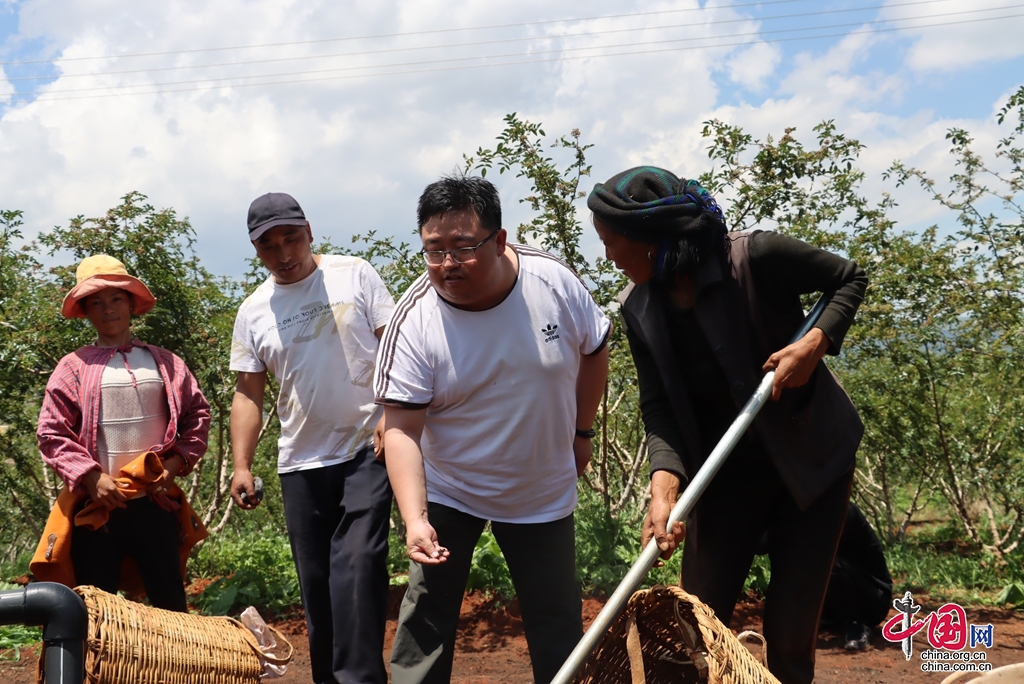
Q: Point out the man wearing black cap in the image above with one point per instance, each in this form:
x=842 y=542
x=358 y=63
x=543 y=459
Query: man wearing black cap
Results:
x=315 y=324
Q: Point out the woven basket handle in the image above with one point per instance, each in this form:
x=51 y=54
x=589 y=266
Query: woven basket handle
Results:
x=763 y=657
x=635 y=651
x=250 y=639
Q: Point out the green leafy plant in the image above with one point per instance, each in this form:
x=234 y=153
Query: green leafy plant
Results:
x=759 y=576
x=488 y=571
x=1012 y=593
x=231 y=595
x=934 y=362
x=13 y=638
x=253 y=569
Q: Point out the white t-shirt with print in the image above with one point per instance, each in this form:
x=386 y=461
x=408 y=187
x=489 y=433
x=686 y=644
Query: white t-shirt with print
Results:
x=317 y=338
x=499 y=387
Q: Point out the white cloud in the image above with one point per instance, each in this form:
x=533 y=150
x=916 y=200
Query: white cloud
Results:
x=752 y=66
x=356 y=152
x=974 y=31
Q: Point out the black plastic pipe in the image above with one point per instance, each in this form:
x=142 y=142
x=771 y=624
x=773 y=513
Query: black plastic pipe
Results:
x=62 y=615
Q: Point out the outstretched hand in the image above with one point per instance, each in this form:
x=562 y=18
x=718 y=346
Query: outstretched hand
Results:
x=421 y=544
x=794 y=364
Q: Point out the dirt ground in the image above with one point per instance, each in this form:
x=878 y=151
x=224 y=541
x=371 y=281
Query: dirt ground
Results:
x=491 y=648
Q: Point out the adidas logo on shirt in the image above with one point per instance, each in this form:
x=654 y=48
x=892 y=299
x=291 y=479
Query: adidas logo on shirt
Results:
x=550 y=332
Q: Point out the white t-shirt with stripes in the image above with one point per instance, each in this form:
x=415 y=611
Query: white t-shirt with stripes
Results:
x=317 y=338
x=499 y=387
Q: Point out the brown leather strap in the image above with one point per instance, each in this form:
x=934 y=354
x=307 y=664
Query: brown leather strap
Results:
x=636 y=654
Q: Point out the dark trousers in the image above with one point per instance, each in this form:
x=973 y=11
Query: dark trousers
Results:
x=541 y=559
x=337 y=519
x=854 y=595
x=722 y=536
x=146 y=533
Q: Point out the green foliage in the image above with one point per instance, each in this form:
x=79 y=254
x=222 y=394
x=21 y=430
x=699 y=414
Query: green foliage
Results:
x=924 y=568
x=488 y=571
x=521 y=147
x=398 y=560
x=1012 y=593
x=266 y=553
x=933 y=363
x=398 y=264
x=193 y=317
x=231 y=595
x=934 y=359
x=15 y=637
x=30 y=345
x=759 y=576
x=784 y=185
x=251 y=570
x=605 y=547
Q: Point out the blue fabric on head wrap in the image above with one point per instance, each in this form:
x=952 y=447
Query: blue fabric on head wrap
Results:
x=648 y=203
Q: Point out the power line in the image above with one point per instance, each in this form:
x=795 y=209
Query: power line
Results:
x=584 y=34
x=398 y=35
x=536 y=61
x=45 y=93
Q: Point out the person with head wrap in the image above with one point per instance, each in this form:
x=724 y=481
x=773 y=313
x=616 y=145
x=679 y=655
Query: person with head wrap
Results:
x=707 y=313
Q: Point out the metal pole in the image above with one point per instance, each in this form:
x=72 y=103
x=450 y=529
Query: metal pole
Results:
x=684 y=505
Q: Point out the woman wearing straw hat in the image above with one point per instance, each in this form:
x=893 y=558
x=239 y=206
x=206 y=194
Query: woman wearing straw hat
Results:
x=708 y=313
x=107 y=403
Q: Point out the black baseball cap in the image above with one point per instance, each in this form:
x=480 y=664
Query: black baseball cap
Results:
x=272 y=210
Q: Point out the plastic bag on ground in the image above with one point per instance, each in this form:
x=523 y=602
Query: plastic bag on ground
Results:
x=265 y=638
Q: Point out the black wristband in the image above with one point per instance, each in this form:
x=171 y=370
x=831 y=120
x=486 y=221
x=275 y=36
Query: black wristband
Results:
x=589 y=434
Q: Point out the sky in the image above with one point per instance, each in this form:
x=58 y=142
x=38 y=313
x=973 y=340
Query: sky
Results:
x=354 y=107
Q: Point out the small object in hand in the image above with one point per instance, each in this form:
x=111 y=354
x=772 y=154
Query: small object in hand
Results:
x=257 y=484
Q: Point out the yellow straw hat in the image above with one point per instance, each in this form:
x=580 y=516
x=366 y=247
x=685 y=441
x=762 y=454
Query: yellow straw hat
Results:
x=101 y=271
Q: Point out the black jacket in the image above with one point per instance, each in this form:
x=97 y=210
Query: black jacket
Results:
x=748 y=307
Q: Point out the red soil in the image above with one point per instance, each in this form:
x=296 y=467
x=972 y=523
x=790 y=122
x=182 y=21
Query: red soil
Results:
x=491 y=648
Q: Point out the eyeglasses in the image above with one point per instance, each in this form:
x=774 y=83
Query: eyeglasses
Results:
x=462 y=255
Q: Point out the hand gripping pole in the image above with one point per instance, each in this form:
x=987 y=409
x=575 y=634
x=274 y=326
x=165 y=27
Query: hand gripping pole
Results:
x=684 y=505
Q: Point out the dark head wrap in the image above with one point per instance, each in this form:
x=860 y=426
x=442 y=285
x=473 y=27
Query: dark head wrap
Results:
x=649 y=204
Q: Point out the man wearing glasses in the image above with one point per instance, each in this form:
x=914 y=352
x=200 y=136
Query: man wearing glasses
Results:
x=491 y=373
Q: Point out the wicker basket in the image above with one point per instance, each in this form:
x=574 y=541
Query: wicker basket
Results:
x=129 y=643
x=668 y=636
